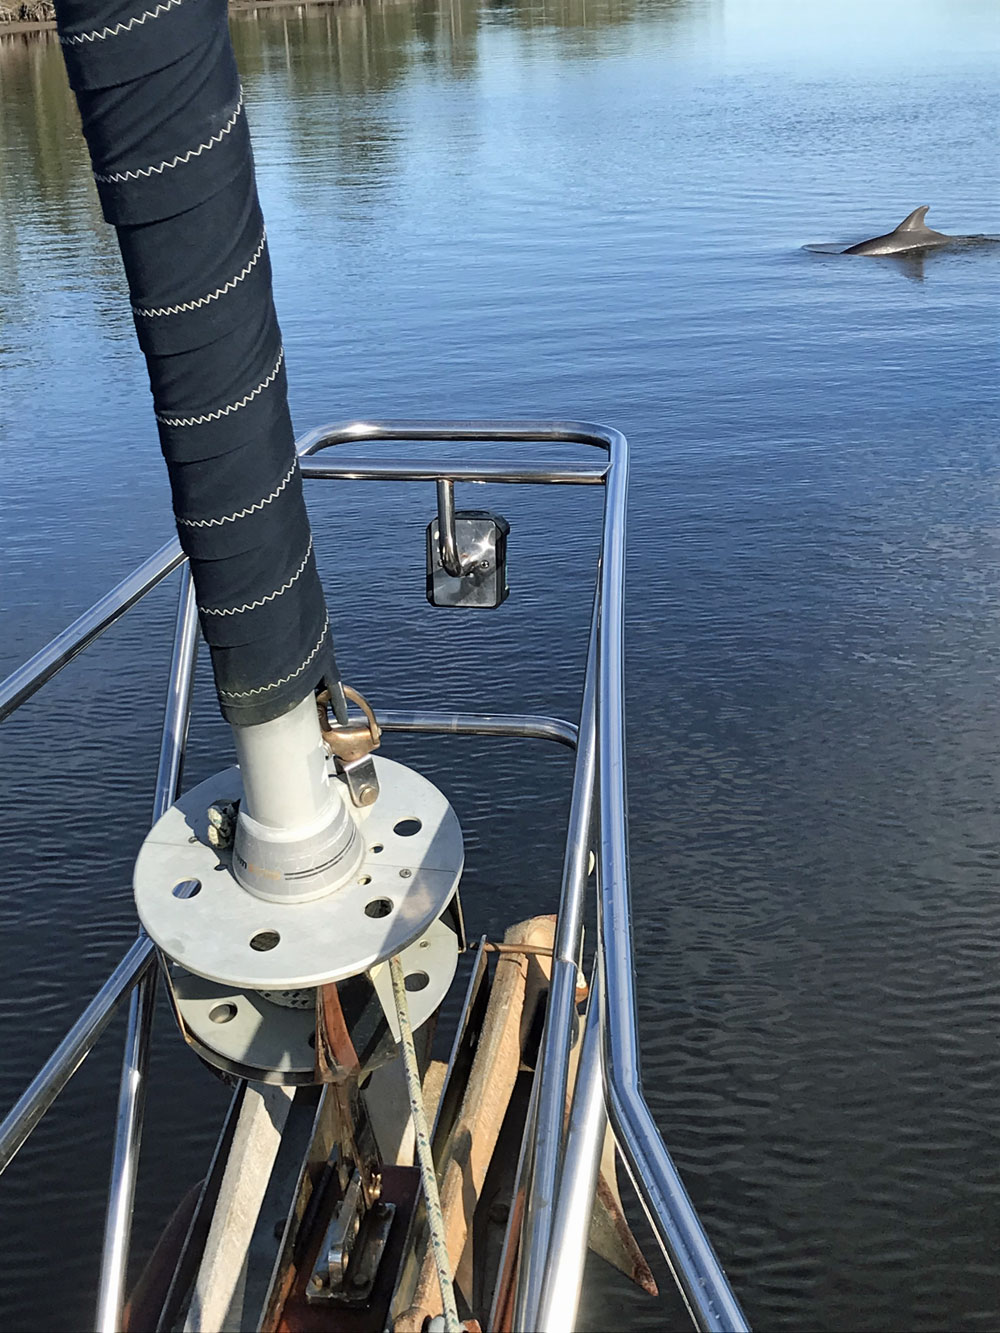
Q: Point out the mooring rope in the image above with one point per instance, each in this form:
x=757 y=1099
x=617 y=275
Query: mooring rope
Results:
x=428 y=1176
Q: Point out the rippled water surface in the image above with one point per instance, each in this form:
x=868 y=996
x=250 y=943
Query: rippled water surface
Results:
x=593 y=208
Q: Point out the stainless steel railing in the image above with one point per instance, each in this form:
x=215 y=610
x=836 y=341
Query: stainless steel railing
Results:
x=135 y=1061
x=556 y=1167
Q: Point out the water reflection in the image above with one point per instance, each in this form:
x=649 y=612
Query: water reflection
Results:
x=368 y=48
x=40 y=157
x=909 y=266
x=352 y=52
x=48 y=202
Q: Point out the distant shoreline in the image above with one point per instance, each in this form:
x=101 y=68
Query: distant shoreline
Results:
x=20 y=25
x=235 y=6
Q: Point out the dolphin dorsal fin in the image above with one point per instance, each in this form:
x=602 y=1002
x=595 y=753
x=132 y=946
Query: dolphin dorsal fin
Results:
x=915 y=221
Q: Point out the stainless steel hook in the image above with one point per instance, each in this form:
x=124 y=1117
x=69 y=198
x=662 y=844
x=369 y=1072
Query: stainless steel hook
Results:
x=451 y=560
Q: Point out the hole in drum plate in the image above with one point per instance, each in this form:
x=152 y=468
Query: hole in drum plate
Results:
x=377 y=847
x=264 y=940
x=407 y=827
x=364 y=879
x=378 y=907
x=417 y=981
x=222 y=1013
x=186 y=888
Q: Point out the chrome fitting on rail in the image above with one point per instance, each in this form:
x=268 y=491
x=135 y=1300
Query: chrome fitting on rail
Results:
x=466 y=555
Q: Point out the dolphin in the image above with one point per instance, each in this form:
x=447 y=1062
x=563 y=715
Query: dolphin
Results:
x=912 y=233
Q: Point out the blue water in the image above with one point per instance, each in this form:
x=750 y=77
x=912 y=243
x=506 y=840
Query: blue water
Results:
x=592 y=210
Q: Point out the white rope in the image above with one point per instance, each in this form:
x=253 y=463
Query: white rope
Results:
x=428 y=1177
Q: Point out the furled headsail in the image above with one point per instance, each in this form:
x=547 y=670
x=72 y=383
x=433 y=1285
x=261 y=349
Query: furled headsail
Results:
x=164 y=117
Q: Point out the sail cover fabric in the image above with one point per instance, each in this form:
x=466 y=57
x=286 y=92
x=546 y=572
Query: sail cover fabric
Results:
x=164 y=117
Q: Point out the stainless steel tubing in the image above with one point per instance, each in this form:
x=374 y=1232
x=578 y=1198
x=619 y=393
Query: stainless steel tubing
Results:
x=51 y=659
x=504 y=473
x=565 y=733
x=71 y=1052
x=451 y=559
x=128 y=1135
x=23 y=682
x=522 y=726
x=487 y=432
x=134 y=1080
x=553 y=1065
x=177 y=712
x=673 y=1218
x=574 y=1203
x=696 y=1268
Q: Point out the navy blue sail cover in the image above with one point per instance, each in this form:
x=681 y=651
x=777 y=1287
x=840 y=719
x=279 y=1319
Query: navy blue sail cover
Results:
x=164 y=117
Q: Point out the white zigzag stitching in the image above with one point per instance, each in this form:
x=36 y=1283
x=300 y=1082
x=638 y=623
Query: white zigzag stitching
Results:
x=221 y=412
x=255 y=508
x=100 y=34
x=262 y=689
x=212 y=296
x=182 y=158
x=261 y=601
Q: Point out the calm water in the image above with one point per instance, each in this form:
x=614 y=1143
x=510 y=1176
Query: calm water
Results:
x=593 y=208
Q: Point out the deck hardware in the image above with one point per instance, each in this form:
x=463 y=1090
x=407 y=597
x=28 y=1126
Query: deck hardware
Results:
x=362 y=781
x=324 y=936
x=271 y=1036
x=351 y=746
x=352 y=1249
x=698 y=1273
x=222 y=823
x=466 y=555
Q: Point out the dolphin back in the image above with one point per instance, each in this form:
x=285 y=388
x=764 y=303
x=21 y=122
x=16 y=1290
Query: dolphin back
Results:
x=912 y=233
